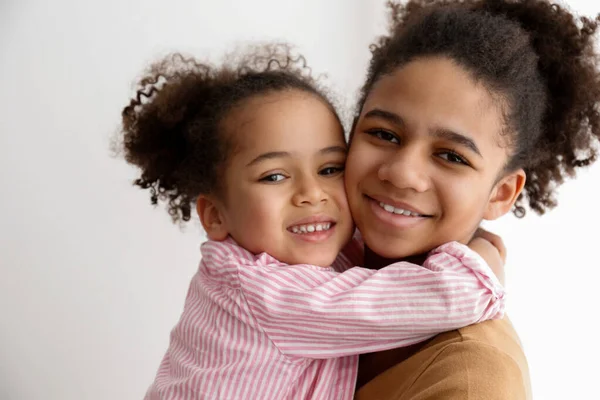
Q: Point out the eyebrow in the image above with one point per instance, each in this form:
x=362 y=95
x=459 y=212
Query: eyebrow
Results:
x=285 y=154
x=458 y=139
x=442 y=133
x=386 y=115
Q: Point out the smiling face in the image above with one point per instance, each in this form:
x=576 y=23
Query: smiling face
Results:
x=425 y=164
x=283 y=186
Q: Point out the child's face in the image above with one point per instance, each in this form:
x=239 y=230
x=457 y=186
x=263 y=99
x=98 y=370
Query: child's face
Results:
x=284 y=182
x=428 y=141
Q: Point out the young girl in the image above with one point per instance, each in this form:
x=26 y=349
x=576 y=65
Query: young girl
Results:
x=469 y=108
x=260 y=151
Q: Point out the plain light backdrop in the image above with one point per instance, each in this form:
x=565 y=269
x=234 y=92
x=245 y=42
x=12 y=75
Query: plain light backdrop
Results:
x=92 y=278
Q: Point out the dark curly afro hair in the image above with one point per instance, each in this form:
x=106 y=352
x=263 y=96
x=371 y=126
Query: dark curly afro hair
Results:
x=537 y=55
x=172 y=128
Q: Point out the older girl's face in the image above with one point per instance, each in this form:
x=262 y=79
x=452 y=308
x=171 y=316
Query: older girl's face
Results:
x=426 y=160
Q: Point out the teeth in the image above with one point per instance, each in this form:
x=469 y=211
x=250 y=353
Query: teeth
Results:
x=399 y=211
x=310 y=228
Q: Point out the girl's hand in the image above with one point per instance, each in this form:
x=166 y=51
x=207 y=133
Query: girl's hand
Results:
x=491 y=248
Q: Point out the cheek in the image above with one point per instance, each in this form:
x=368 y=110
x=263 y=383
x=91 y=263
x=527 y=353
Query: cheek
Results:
x=464 y=200
x=360 y=160
x=253 y=208
x=261 y=207
x=351 y=179
x=338 y=192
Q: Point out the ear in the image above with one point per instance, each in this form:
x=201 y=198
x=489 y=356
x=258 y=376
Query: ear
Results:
x=504 y=194
x=212 y=218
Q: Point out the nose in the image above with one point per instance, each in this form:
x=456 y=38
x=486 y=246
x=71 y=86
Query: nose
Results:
x=309 y=191
x=406 y=168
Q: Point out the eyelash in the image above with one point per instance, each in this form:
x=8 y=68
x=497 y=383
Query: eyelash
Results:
x=379 y=133
x=461 y=159
x=267 y=179
x=337 y=169
x=382 y=134
x=334 y=170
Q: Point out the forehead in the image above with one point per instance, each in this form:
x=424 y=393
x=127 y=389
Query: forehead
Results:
x=283 y=121
x=437 y=93
x=437 y=82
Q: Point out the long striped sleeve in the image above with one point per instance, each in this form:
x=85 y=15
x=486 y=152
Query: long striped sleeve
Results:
x=254 y=328
x=318 y=313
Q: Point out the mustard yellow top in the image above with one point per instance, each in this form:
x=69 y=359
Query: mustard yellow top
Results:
x=482 y=361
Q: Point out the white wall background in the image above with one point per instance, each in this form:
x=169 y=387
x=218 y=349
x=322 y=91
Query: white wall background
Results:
x=92 y=278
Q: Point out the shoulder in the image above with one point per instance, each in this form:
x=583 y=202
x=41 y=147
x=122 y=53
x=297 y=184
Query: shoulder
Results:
x=221 y=263
x=225 y=251
x=483 y=361
x=471 y=369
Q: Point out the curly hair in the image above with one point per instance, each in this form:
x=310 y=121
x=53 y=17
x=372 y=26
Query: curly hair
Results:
x=537 y=56
x=172 y=128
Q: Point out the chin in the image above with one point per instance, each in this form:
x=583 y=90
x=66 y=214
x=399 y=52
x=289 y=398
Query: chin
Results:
x=320 y=261
x=394 y=248
x=317 y=260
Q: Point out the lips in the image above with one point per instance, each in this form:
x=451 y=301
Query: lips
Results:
x=398 y=207
x=313 y=230
x=318 y=223
x=310 y=228
x=398 y=218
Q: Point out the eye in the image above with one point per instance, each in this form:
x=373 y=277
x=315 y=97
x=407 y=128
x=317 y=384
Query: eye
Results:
x=384 y=135
x=273 y=178
x=453 y=157
x=331 y=170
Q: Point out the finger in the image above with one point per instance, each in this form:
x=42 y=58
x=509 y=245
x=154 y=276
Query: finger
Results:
x=479 y=232
x=494 y=239
x=499 y=244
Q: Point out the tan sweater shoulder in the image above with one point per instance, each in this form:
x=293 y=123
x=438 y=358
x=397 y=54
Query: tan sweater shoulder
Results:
x=482 y=361
x=469 y=370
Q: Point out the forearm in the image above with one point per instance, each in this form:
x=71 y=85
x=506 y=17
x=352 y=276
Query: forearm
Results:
x=323 y=314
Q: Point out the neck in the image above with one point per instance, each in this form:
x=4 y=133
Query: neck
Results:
x=373 y=364
x=375 y=261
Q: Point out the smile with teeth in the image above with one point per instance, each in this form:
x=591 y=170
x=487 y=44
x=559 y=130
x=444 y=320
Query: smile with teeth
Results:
x=399 y=211
x=310 y=228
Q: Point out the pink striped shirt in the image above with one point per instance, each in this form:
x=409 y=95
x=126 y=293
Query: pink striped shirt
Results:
x=255 y=328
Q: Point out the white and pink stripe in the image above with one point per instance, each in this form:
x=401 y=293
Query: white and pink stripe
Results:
x=254 y=328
